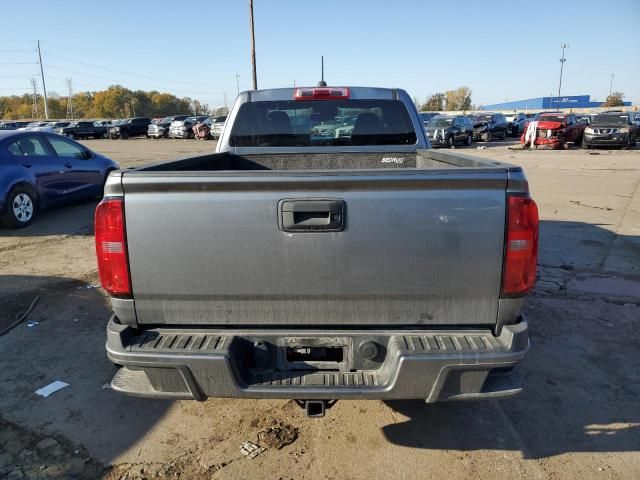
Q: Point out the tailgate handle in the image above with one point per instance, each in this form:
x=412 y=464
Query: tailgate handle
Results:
x=311 y=215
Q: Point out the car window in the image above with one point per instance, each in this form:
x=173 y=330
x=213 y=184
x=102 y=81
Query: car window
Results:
x=28 y=147
x=65 y=148
x=328 y=122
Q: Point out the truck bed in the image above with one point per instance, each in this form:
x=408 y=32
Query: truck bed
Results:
x=422 y=159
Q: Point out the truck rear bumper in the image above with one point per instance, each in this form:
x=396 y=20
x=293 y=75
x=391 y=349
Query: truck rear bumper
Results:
x=436 y=365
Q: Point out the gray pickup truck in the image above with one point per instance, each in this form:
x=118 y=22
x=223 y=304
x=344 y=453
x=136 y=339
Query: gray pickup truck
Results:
x=317 y=268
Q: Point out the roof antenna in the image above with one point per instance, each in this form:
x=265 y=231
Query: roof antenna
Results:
x=322 y=83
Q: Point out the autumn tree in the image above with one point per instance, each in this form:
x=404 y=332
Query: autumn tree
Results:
x=458 y=99
x=434 y=103
x=614 y=100
x=116 y=101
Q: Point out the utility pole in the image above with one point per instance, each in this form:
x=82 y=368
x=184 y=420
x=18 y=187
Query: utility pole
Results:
x=562 y=60
x=224 y=94
x=253 y=47
x=44 y=86
x=34 y=104
x=69 y=83
x=611 y=84
x=238 y=82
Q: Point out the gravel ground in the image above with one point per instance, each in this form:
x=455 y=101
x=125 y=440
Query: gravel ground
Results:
x=578 y=418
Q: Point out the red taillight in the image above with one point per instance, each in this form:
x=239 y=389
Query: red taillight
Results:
x=111 y=247
x=321 y=93
x=521 y=250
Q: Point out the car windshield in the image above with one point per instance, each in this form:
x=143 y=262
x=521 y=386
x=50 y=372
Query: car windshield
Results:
x=440 y=122
x=552 y=118
x=612 y=119
x=303 y=123
x=480 y=118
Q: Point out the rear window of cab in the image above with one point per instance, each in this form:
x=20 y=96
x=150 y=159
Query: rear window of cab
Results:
x=296 y=123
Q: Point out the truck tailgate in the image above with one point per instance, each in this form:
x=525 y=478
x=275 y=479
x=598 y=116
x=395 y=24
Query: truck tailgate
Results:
x=416 y=248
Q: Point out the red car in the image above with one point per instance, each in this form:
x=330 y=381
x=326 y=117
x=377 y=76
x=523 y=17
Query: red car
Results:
x=553 y=130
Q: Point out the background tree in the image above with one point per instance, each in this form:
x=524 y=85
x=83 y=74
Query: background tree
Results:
x=614 y=100
x=116 y=101
x=434 y=103
x=458 y=99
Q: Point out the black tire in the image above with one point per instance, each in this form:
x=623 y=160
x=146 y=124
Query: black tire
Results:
x=191 y=134
x=25 y=197
x=504 y=134
x=124 y=135
x=468 y=140
x=451 y=142
x=166 y=133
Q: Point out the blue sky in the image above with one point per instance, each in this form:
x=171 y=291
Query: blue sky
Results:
x=502 y=50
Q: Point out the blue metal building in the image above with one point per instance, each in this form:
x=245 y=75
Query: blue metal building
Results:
x=548 y=103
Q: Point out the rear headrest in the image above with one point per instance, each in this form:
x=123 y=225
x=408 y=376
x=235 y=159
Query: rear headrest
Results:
x=279 y=123
x=366 y=125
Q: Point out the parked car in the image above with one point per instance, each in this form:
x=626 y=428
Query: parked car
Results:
x=445 y=130
x=427 y=116
x=32 y=125
x=617 y=129
x=217 y=126
x=554 y=130
x=387 y=270
x=488 y=126
x=516 y=123
x=83 y=129
x=184 y=128
x=160 y=129
x=130 y=127
x=586 y=119
x=104 y=123
x=12 y=125
x=40 y=169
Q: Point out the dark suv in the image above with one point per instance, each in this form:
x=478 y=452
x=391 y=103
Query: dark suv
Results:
x=613 y=128
x=446 y=130
x=488 y=126
x=133 y=127
x=81 y=130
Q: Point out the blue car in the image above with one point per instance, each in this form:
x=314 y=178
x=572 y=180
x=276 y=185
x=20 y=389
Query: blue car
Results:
x=39 y=169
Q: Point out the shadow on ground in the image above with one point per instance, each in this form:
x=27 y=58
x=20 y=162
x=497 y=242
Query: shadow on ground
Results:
x=581 y=371
x=67 y=344
x=71 y=219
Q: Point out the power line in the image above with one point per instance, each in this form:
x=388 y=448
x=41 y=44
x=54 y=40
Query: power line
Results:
x=150 y=77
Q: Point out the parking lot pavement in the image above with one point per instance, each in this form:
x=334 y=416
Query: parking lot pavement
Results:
x=578 y=417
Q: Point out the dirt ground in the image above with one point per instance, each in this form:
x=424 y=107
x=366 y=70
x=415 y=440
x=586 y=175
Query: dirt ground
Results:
x=578 y=418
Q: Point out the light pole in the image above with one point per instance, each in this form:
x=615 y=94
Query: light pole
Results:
x=562 y=60
x=253 y=47
x=238 y=82
x=611 y=84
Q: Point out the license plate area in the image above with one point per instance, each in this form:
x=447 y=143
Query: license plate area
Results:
x=327 y=354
